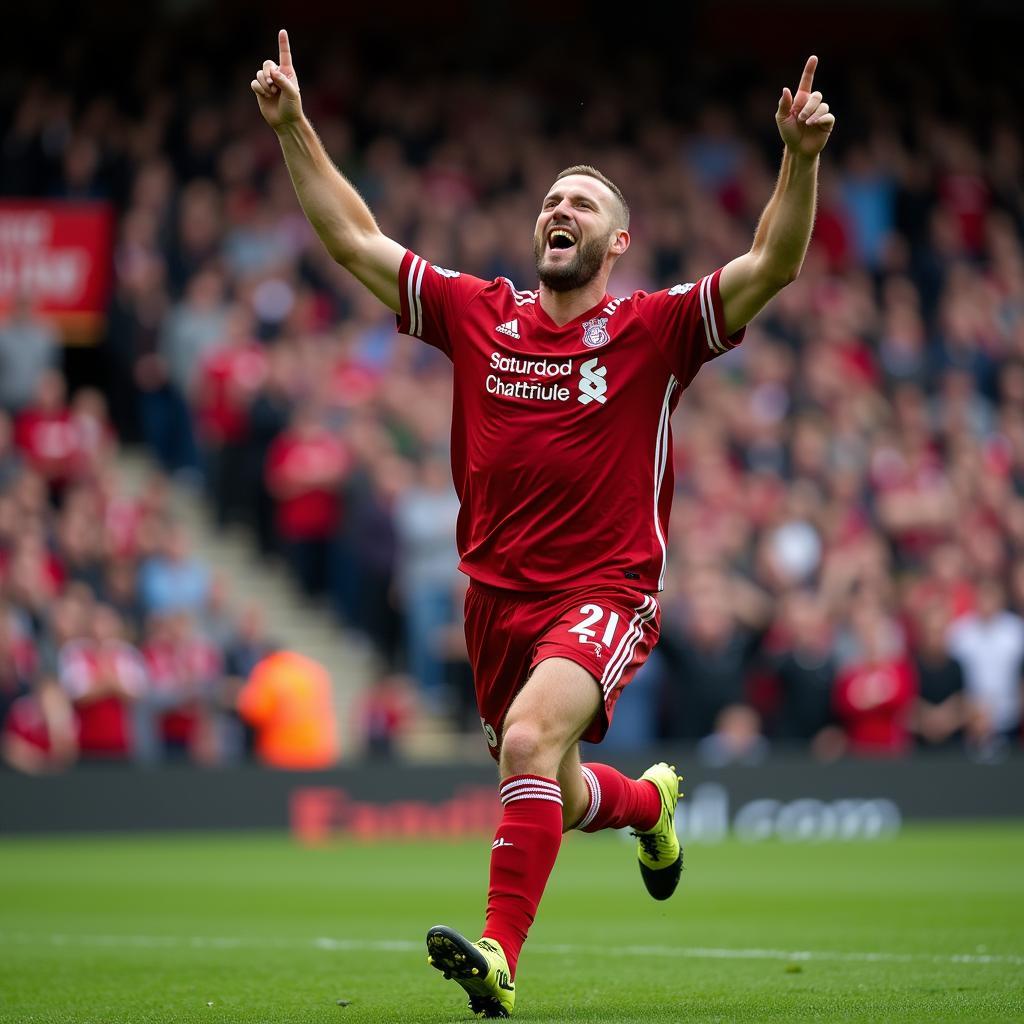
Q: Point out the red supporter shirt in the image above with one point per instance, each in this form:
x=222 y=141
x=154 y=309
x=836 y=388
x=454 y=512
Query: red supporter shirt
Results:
x=52 y=443
x=306 y=511
x=26 y=721
x=230 y=376
x=182 y=669
x=561 y=436
x=874 y=703
x=104 y=725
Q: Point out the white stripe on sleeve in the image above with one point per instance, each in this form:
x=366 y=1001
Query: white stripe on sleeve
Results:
x=419 y=304
x=409 y=285
x=707 y=309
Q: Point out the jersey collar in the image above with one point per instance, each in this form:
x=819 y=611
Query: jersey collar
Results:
x=543 y=317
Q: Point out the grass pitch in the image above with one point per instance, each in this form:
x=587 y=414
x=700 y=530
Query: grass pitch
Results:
x=927 y=927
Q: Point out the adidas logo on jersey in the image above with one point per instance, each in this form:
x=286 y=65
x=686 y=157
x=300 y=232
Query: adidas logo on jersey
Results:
x=511 y=329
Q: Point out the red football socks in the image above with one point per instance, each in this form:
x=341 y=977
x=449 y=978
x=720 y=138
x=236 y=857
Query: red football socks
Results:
x=618 y=802
x=522 y=856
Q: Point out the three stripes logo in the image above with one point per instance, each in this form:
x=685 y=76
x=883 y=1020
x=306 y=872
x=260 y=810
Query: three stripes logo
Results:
x=510 y=329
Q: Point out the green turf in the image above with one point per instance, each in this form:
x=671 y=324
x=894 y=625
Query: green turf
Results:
x=155 y=929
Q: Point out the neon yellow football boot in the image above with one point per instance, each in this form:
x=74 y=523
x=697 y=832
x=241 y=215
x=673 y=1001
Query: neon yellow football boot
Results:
x=479 y=967
x=658 y=849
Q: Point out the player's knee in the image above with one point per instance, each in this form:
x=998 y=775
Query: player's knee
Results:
x=528 y=748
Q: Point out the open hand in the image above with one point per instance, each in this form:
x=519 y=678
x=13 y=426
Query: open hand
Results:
x=804 y=120
x=277 y=87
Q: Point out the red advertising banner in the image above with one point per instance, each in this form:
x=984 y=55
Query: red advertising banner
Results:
x=59 y=256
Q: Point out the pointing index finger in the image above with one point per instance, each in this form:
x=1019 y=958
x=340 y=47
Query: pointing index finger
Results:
x=805 y=79
x=284 y=49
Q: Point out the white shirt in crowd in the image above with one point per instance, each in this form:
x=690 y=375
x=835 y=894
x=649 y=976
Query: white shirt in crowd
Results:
x=992 y=654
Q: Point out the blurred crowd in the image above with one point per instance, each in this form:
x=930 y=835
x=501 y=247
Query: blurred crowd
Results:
x=847 y=541
x=101 y=598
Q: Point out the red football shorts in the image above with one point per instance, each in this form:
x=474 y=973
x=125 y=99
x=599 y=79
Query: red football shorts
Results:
x=608 y=630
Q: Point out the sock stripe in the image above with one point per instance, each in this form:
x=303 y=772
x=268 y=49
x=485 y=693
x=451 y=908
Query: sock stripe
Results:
x=529 y=791
x=516 y=790
x=595 y=797
x=539 y=795
x=541 y=780
x=518 y=781
x=529 y=787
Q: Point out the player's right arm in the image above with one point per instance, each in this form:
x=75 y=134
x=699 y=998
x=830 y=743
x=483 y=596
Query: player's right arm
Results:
x=333 y=207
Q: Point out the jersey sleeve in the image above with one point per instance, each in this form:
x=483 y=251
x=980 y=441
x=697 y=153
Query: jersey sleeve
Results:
x=687 y=323
x=433 y=299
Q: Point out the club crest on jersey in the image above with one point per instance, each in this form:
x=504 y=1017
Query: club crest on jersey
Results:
x=595 y=332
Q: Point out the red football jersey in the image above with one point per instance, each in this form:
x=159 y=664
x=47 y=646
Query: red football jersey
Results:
x=561 y=436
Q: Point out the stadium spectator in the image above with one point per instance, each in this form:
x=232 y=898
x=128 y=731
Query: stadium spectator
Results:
x=710 y=654
x=103 y=676
x=172 y=718
x=38 y=731
x=38 y=735
x=268 y=416
x=96 y=438
x=230 y=373
x=364 y=556
x=49 y=436
x=172 y=578
x=248 y=645
x=29 y=346
x=306 y=466
x=804 y=669
x=192 y=327
x=10 y=457
x=735 y=739
x=386 y=710
x=989 y=643
x=79 y=541
x=874 y=694
x=287 y=701
x=425 y=516
x=17 y=661
x=941 y=710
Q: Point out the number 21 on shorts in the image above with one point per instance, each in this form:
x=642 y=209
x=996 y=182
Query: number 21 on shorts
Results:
x=593 y=616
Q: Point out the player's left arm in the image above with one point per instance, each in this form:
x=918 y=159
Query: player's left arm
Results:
x=784 y=231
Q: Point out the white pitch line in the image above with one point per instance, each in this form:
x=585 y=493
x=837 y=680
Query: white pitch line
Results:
x=407 y=946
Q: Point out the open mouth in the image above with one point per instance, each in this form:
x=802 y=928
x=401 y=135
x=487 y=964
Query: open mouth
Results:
x=561 y=238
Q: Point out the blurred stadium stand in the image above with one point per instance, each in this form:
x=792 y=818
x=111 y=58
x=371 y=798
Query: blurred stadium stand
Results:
x=848 y=536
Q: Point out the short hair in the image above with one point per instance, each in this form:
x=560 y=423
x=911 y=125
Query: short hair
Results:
x=593 y=172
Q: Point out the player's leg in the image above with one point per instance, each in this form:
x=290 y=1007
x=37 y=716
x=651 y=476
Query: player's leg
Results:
x=605 y=798
x=576 y=795
x=544 y=721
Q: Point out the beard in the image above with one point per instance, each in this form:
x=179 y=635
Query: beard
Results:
x=579 y=271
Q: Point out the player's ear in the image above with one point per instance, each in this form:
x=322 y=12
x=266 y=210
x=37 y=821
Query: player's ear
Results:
x=619 y=243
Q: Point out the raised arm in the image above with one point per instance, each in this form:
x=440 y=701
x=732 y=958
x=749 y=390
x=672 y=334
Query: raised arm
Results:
x=784 y=231
x=334 y=208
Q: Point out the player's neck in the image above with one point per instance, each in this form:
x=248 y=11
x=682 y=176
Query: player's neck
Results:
x=565 y=306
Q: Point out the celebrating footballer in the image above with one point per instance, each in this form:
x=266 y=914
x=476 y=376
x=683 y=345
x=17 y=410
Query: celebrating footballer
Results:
x=561 y=455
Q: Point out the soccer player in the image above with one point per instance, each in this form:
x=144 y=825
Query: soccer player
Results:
x=561 y=456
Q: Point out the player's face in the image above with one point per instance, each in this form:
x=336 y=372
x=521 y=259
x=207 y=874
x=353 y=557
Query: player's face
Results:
x=574 y=232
